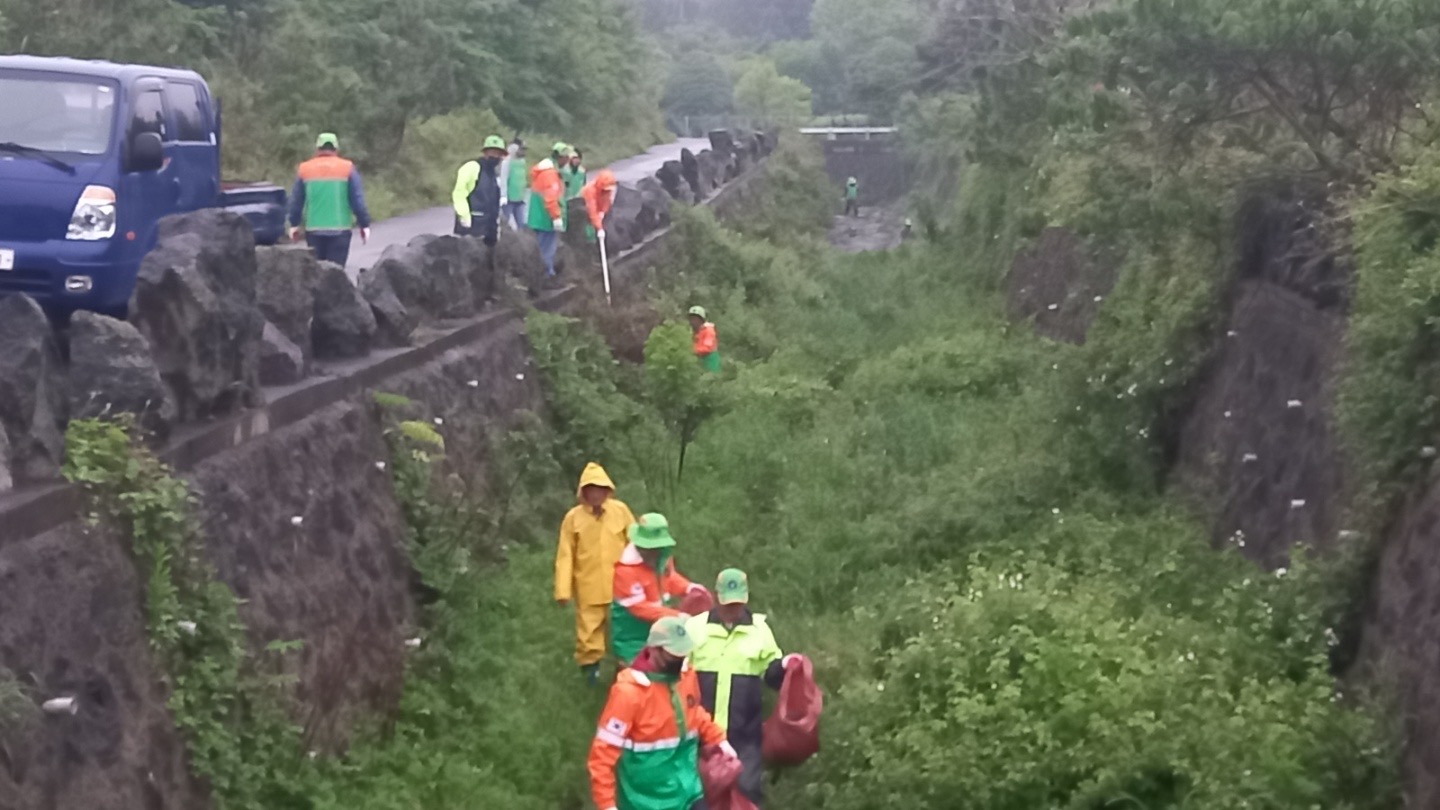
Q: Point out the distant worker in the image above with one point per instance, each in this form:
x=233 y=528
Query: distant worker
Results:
x=517 y=181
x=574 y=175
x=647 y=586
x=547 y=204
x=592 y=538
x=328 y=201
x=906 y=231
x=852 y=197
x=707 y=343
x=599 y=195
x=735 y=654
x=477 y=192
x=646 y=751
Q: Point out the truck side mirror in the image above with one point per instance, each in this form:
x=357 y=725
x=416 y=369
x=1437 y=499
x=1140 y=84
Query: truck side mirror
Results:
x=147 y=153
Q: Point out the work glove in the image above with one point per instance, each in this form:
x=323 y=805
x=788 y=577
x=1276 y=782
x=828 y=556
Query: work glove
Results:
x=465 y=222
x=559 y=224
x=364 y=236
x=600 y=234
x=791 y=661
x=294 y=234
x=729 y=750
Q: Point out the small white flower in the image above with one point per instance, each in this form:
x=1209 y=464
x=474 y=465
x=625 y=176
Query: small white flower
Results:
x=1054 y=510
x=188 y=627
x=313 y=754
x=439 y=421
x=1169 y=361
x=297 y=521
x=1190 y=656
x=1280 y=572
x=380 y=465
x=879 y=687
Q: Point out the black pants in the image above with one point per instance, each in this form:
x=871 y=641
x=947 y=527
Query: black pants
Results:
x=330 y=247
x=852 y=208
x=752 y=777
x=482 y=226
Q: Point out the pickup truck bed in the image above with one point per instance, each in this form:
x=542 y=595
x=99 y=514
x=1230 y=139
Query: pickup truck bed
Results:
x=263 y=204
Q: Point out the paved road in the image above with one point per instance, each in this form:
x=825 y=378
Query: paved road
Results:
x=402 y=229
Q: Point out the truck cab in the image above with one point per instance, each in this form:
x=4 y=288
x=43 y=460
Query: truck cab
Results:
x=92 y=156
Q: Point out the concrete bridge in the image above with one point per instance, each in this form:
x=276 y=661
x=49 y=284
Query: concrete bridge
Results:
x=869 y=154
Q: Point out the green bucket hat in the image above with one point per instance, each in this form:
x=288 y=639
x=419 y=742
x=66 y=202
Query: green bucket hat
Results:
x=700 y=311
x=327 y=140
x=670 y=635
x=732 y=586
x=651 y=531
x=494 y=142
x=560 y=148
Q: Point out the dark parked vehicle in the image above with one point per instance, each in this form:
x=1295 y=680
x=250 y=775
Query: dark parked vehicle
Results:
x=92 y=156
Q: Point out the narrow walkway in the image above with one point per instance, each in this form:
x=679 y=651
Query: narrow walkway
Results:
x=400 y=230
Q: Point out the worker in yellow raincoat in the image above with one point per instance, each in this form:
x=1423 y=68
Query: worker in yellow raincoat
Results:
x=592 y=538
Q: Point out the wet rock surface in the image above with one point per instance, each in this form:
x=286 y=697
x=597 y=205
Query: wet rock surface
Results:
x=1056 y=282
x=285 y=289
x=281 y=361
x=344 y=325
x=33 y=400
x=112 y=372
x=195 y=303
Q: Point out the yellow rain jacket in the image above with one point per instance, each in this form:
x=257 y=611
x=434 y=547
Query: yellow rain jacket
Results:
x=589 y=547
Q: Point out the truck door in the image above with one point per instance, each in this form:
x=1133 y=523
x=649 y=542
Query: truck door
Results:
x=149 y=195
x=192 y=145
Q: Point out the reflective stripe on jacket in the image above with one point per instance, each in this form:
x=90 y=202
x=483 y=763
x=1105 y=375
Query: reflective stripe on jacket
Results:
x=733 y=666
x=477 y=190
x=645 y=755
x=643 y=596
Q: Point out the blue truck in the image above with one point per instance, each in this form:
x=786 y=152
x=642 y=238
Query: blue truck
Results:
x=92 y=156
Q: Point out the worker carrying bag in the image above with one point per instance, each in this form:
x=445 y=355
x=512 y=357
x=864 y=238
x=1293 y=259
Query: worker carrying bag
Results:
x=720 y=774
x=792 y=733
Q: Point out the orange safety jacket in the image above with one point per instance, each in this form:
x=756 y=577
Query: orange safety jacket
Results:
x=645 y=755
x=548 y=188
x=597 y=203
x=642 y=596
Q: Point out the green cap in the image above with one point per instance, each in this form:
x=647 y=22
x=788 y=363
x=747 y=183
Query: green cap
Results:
x=700 y=311
x=327 y=140
x=670 y=635
x=732 y=586
x=494 y=142
x=651 y=531
x=560 y=148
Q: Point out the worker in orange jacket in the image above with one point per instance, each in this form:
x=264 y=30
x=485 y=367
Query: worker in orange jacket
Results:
x=707 y=343
x=646 y=751
x=599 y=197
x=647 y=587
x=547 y=204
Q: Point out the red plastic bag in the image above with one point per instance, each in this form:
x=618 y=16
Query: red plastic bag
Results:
x=792 y=733
x=697 y=601
x=720 y=774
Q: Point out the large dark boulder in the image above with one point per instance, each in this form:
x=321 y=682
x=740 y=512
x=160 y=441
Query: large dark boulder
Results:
x=483 y=281
x=710 y=170
x=281 y=361
x=284 y=285
x=517 y=256
x=112 y=371
x=690 y=170
x=195 y=303
x=394 y=322
x=32 y=391
x=431 y=275
x=672 y=178
x=722 y=141
x=344 y=325
x=654 y=205
x=7 y=479
x=623 y=229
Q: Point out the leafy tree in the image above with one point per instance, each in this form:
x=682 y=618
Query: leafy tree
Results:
x=699 y=86
x=769 y=98
x=869 y=47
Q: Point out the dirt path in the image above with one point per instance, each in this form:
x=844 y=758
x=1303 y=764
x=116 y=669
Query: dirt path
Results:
x=873 y=229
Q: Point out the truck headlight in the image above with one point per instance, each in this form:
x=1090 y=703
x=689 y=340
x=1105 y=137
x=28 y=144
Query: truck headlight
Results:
x=94 y=216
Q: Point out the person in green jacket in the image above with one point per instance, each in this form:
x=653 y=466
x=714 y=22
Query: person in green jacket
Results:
x=515 y=175
x=476 y=196
x=574 y=175
x=852 y=197
x=546 y=210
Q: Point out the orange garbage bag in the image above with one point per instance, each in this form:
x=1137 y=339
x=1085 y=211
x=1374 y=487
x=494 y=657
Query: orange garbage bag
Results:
x=792 y=733
x=720 y=774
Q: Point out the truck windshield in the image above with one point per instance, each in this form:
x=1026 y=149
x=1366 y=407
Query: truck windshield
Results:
x=56 y=114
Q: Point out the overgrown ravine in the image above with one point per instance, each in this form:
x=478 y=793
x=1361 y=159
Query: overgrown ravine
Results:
x=912 y=482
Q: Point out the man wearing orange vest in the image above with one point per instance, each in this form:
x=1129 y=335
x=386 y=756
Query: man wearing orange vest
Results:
x=707 y=343
x=646 y=751
x=328 y=200
x=599 y=197
x=547 y=204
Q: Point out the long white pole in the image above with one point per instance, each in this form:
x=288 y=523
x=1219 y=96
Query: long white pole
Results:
x=605 y=268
